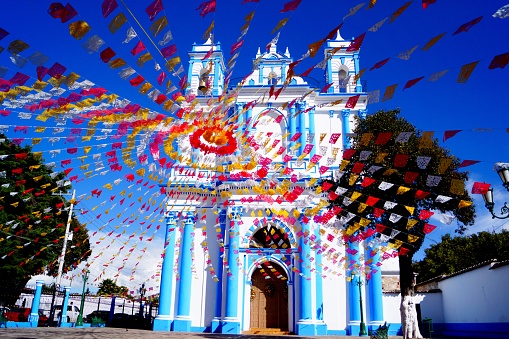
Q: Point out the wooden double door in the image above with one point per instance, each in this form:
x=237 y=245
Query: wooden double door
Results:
x=269 y=302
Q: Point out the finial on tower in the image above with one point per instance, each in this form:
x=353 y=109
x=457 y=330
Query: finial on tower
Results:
x=210 y=40
x=339 y=37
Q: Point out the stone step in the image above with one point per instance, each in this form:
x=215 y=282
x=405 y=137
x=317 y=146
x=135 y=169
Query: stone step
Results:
x=266 y=331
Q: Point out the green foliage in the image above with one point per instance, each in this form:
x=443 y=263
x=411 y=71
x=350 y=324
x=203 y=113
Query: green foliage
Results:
x=109 y=287
x=32 y=220
x=455 y=254
x=374 y=162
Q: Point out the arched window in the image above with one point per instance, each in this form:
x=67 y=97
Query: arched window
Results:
x=273 y=78
x=343 y=79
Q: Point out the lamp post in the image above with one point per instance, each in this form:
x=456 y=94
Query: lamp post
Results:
x=359 y=283
x=79 y=321
x=503 y=172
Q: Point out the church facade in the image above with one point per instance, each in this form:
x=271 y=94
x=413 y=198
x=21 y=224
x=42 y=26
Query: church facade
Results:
x=245 y=247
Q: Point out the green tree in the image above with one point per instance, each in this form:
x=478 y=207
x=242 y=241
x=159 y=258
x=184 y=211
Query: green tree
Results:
x=110 y=287
x=454 y=254
x=377 y=157
x=32 y=220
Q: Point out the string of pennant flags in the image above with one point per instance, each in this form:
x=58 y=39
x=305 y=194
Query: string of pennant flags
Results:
x=118 y=111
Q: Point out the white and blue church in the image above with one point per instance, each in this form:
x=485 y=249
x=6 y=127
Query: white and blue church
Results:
x=231 y=264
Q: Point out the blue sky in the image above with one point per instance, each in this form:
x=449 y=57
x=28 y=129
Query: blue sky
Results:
x=477 y=107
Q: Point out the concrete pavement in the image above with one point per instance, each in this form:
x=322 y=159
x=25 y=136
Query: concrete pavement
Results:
x=113 y=333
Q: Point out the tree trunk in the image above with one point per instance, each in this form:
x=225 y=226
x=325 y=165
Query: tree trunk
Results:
x=409 y=321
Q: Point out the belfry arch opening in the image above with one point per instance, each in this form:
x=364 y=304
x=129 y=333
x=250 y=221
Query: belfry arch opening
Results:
x=270 y=236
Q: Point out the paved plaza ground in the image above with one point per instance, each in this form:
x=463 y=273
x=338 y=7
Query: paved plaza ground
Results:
x=113 y=333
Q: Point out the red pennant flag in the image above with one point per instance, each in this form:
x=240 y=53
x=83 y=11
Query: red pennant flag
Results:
x=403 y=251
x=348 y=153
x=209 y=53
x=426 y=3
x=468 y=25
x=377 y=212
x=357 y=169
x=466 y=163
x=428 y=228
x=366 y=182
x=154 y=8
x=290 y=6
x=41 y=72
x=379 y=64
x=352 y=101
x=108 y=6
x=500 y=61
x=410 y=177
x=136 y=81
x=107 y=54
x=400 y=160
x=425 y=214
x=326 y=88
x=356 y=43
x=383 y=138
x=421 y=194
x=371 y=201
x=449 y=134
x=207 y=7
x=306 y=73
x=58 y=11
x=480 y=188
x=412 y=82
x=246 y=1
x=380 y=228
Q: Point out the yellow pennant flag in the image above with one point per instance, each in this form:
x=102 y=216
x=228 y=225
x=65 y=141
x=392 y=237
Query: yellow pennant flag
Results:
x=412 y=238
x=78 y=29
x=464 y=203
x=411 y=223
x=444 y=165
x=279 y=25
x=410 y=209
x=355 y=195
x=402 y=189
x=389 y=92
x=466 y=71
x=433 y=41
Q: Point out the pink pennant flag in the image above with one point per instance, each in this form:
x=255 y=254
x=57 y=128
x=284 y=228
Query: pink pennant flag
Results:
x=154 y=8
x=352 y=101
x=426 y=3
x=412 y=82
x=466 y=163
x=379 y=64
x=334 y=137
x=449 y=134
x=356 y=43
x=499 y=61
x=108 y=6
x=290 y=6
x=207 y=7
x=140 y=47
x=169 y=51
x=465 y=27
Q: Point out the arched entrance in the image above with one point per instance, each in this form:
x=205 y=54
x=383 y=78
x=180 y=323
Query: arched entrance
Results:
x=269 y=299
x=269 y=282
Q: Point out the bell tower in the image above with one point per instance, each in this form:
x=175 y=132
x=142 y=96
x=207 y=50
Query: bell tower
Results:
x=206 y=69
x=342 y=66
